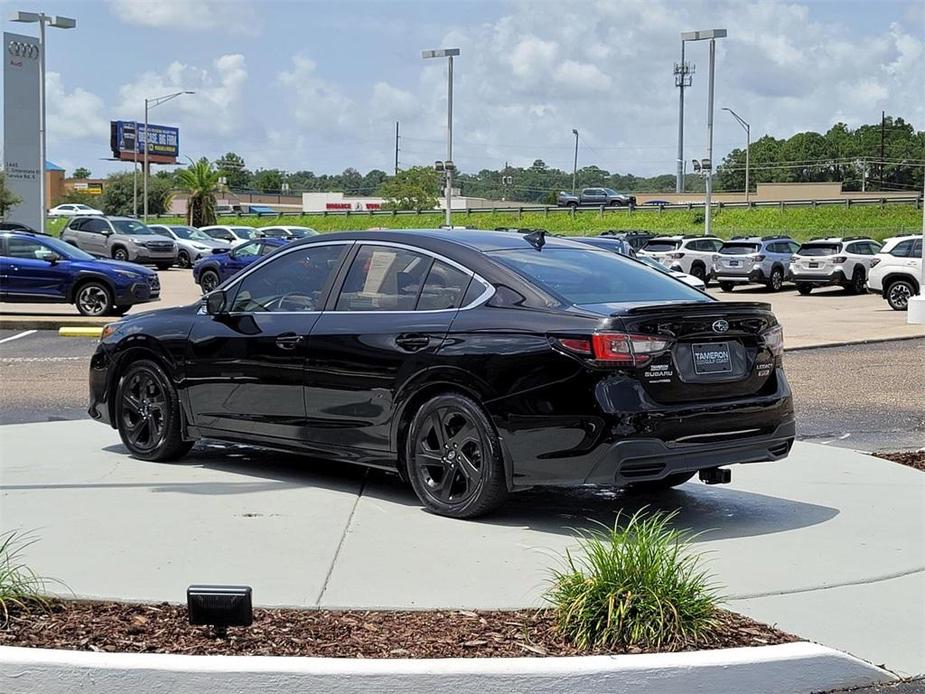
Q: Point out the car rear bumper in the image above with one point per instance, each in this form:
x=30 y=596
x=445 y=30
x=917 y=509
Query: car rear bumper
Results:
x=146 y=256
x=835 y=277
x=754 y=275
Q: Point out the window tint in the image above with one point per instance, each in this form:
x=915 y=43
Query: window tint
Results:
x=130 y=227
x=917 y=249
x=26 y=248
x=383 y=279
x=738 y=248
x=444 y=288
x=661 y=246
x=595 y=277
x=903 y=249
x=246 y=250
x=95 y=225
x=794 y=246
x=267 y=248
x=223 y=234
x=817 y=249
x=295 y=281
x=246 y=232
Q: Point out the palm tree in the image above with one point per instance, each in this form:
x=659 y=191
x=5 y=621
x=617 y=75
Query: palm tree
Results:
x=200 y=180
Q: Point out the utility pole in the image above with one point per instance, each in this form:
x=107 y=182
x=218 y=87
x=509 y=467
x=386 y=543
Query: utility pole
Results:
x=396 y=148
x=683 y=77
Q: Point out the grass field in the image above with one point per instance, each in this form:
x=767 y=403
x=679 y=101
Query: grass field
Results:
x=800 y=222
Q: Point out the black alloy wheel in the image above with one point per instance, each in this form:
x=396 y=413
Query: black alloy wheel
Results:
x=120 y=253
x=148 y=413
x=93 y=299
x=183 y=260
x=454 y=459
x=776 y=283
x=700 y=272
x=208 y=280
x=899 y=293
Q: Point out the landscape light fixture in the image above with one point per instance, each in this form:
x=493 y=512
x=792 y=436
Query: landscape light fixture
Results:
x=149 y=104
x=707 y=35
x=57 y=22
x=220 y=607
x=748 y=146
x=449 y=54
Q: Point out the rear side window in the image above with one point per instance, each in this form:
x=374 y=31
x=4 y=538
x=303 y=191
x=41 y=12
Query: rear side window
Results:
x=595 y=277
x=444 y=288
x=815 y=249
x=738 y=248
x=661 y=246
x=903 y=249
x=382 y=278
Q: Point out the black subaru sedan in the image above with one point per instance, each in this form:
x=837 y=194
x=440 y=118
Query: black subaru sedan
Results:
x=474 y=363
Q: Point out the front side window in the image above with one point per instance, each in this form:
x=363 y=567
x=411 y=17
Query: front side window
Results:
x=247 y=250
x=26 y=249
x=129 y=227
x=97 y=226
x=383 y=279
x=246 y=232
x=594 y=277
x=902 y=249
x=295 y=281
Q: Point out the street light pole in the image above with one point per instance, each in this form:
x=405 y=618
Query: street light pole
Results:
x=683 y=78
x=449 y=54
x=748 y=146
x=151 y=103
x=575 y=164
x=57 y=22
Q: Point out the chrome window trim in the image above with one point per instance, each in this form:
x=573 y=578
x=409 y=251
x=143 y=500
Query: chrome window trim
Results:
x=488 y=292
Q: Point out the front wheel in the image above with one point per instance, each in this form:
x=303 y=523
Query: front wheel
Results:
x=120 y=253
x=208 y=280
x=776 y=282
x=700 y=272
x=453 y=458
x=183 y=260
x=93 y=299
x=898 y=295
x=804 y=288
x=727 y=286
x=661 y=485
x=858 y=282
x=148 y=413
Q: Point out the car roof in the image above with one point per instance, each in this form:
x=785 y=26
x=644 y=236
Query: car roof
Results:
x=474 y=239
x=838 y=239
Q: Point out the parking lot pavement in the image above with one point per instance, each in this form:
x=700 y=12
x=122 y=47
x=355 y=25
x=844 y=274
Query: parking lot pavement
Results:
x=829 y=544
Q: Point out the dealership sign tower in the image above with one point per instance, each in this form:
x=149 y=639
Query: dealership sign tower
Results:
x=22 y=156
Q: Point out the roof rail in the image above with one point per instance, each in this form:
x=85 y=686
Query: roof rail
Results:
x=854 y=238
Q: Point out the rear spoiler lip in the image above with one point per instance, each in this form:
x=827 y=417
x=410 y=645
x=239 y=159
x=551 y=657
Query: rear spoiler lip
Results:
x=695 y=307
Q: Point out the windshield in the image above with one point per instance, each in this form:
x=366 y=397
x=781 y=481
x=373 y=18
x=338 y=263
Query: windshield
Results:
x=661 y=246
x=275 y=233
x=652 y=262
x=190 y=233
x=738 y=248
x=66 y=250
x=132 y=228
x=819 y=249
x=581 y=276
x=246 y=232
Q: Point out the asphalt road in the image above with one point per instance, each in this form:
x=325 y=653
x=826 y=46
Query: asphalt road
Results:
x=866 y=397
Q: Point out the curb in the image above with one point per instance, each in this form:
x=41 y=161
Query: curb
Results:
x=793 y=667
x=848 y=343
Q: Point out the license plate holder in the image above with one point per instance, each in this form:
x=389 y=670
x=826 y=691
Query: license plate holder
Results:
x=814 y=265
x=733 y=263
x=711 y=358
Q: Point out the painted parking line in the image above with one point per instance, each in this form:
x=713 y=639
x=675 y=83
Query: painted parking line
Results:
x=77 y=331
x=25 y=333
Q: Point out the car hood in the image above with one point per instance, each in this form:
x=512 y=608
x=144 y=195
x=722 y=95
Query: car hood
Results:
x=104 y=265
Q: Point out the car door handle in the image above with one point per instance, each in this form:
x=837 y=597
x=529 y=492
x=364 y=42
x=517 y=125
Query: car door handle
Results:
x=289 y=340
x=412 y=342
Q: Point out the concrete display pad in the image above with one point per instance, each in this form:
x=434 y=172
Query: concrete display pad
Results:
x=829 y=544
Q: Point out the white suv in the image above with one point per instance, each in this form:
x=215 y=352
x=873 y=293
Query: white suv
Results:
x=896 y=271
x=692 y=255
x=843 y=261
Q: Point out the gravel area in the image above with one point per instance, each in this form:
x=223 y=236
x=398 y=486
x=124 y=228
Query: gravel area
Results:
x=914 y=459
x=163 y=628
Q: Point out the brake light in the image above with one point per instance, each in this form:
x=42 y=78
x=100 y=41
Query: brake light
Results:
x=840 y=259
x=675 y=256
x=774 y=339
x=627 y=349
x=874 y=262
x=576 y=344
x=757 y=258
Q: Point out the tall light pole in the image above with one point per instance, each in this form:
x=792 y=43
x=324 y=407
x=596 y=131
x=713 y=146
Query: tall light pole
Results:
x=711 y=35
x=449 y=54
x=575 y=163
x=57 y=22
x=748 y=146
x=683 y=77
x=149 y=104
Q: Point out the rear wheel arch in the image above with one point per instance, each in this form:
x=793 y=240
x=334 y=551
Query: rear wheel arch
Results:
x=899 y=277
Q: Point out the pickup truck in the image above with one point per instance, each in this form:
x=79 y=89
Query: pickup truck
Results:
x=595 y=197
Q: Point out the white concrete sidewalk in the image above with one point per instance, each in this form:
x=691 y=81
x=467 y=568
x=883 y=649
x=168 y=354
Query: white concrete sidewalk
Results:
x=829 y=544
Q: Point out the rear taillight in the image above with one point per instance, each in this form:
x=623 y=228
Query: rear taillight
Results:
x=757 y=258
x=626 y=349
x=840 y=259
x=874 y=262
x=578 y=345
x=675 y=256
x=774 y=339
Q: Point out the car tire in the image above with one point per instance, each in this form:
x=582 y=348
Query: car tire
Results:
x=208 y=280
x=120 y=253
x=147 y=411
x=572 y=205
x=661 y=485
x=453 y=458
x=776 y=281
x=804 y=288
x=727 y=286
x=898 y=293
x=858 y=283
x=183 y=260
x=93 y=299
x=163 y=266
x=700 y=272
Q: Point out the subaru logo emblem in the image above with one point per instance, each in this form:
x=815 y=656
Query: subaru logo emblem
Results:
x=720 y=326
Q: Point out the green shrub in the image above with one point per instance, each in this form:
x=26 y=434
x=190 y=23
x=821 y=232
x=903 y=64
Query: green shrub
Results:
x=20 y=586
x=636 y=586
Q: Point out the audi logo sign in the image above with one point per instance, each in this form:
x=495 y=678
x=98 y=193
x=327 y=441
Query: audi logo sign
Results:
x=21 y=49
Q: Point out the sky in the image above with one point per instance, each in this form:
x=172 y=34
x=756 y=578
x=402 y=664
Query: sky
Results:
x=319 y=85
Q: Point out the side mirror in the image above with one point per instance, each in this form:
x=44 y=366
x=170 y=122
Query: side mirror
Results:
x=51 y=258
x=215 y=302
x=106 y=232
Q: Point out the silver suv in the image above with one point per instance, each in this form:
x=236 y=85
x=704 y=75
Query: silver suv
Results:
x=754 y=259
x=692 y=255
x=843 y=261
x=120 y=238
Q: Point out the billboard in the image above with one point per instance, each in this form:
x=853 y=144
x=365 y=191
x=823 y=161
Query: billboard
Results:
x=127 y=139
x=21 y=148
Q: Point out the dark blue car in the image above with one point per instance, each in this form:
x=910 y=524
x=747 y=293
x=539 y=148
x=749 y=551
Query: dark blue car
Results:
x=211 y=271
x=35 y=268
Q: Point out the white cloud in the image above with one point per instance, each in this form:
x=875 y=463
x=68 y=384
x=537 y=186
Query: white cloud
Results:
x=74 y=115
x=312 y=101
x=392 y=103
x=234 y=17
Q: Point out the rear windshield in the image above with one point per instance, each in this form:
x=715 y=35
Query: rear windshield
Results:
x=581 y=276
x=190 y=233
x=661 y=246
x=819 y=249
x=246 y=232
x=738 y=248
x=132 y=228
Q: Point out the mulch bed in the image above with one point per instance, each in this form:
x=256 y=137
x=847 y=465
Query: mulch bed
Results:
x=163 y=628
x=914 y=459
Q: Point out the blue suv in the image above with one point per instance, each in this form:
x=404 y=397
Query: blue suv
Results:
x=212 y=270
x=35 y=268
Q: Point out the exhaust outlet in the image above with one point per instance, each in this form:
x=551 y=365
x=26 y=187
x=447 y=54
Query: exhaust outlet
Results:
x=716 y=475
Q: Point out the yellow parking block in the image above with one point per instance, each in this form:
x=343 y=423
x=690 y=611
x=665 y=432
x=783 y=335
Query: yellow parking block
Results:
x=79 y=331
